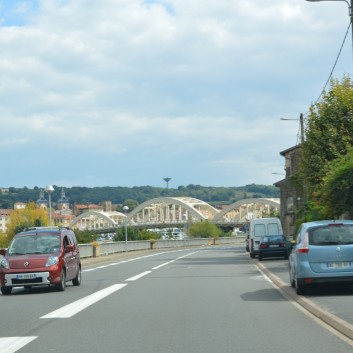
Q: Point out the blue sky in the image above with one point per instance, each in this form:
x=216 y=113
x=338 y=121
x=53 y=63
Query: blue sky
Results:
x=128 y=92
x=17 y=12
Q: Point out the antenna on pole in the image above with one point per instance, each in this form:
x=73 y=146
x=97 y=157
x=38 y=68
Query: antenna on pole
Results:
x=167 y=180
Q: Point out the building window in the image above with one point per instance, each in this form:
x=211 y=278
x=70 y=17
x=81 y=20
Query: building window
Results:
x=290 y=204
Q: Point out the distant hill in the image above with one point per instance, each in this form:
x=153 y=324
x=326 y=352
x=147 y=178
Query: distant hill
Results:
x=118 y=195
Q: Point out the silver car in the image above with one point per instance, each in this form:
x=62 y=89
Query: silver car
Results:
x=323 y=254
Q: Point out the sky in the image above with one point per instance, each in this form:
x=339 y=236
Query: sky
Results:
x=129 y=92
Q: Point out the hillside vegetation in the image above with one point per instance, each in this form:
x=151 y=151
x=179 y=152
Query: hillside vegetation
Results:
x=119 y=195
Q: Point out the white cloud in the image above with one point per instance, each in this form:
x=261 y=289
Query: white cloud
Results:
x=125 y=92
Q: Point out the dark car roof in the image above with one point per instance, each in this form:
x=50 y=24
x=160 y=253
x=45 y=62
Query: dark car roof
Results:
x=43 y=230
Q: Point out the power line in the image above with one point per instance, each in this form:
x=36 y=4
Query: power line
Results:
x=334 y=66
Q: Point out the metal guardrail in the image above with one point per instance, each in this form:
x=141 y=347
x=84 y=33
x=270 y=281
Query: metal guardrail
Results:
x=108 y=248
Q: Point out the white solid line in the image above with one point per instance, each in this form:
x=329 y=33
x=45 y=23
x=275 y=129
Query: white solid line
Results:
x=138 y=276
x=13 y=344
x=81 y=304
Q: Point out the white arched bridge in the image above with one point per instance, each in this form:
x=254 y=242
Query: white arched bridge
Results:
x=179 y=212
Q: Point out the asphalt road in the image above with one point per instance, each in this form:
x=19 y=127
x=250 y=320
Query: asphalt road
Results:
x=193 y=300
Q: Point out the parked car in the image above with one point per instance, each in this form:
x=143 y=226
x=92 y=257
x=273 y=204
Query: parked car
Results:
x=40 y=256
x=273 y=246
x=323 y=254
x=259 y=228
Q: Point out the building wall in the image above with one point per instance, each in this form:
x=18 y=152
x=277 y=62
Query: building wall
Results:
x=292 y=193
x=4 y=219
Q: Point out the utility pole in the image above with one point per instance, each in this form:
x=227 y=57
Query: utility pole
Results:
x=301 y=119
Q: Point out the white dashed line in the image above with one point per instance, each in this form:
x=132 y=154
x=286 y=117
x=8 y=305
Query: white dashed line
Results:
x=81 y=304
x=13 y=344
x=138 y=276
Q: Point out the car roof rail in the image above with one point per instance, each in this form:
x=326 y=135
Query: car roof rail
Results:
x=41 y=228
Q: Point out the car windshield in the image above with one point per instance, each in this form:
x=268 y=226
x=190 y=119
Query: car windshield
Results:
x=35 y=244
x=337 y=234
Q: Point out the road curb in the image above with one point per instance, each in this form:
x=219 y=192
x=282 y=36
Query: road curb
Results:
x=330 y=319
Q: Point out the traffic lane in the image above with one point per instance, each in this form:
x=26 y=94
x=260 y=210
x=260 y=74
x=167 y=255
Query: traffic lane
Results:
x=24 y=306
x=213 y=300
x=332 y=303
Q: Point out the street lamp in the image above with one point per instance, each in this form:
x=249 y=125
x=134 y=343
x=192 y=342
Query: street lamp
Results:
x=350 y=5
x=125 y=208
x=301 y=119
x=49 y=189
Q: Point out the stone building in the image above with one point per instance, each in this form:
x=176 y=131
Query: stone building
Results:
x=292 y=193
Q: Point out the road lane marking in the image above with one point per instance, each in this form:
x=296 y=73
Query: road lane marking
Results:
x=134 y=278
x=13 y=344
x=159 y=266
x=134 y=259
x=72 y=309
x=178 y=258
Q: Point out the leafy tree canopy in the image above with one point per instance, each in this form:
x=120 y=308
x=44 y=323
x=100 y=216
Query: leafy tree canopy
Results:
x=204 y=229
x=30 y=216
x=326 y=164
x=337 y=187
x=329 y=131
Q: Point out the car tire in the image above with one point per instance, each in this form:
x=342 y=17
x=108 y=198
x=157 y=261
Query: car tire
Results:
x=291 y=279
x=6 y=290
x=77 y=280
x=62 y=285
x=300 y=289
x=260 y=256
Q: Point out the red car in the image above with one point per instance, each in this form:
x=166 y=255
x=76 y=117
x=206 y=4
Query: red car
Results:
x=40 y=256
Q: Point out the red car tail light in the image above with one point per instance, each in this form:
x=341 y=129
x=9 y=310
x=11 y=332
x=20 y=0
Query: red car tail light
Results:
x=303 y=250
x=263 y=246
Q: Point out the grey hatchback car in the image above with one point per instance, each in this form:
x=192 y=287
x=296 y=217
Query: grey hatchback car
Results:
x=323 y=254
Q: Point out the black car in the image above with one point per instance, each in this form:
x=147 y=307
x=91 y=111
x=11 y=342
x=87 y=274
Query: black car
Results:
x=273 y=246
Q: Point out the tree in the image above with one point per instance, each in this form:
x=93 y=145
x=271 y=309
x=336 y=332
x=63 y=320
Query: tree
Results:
x=30 y=216
x=85 y=236
x=3 y=240
x=204 y=229
x=329 y=135
x=132 y=204
x=337 y=187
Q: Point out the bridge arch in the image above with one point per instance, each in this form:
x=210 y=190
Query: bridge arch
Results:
x=240 y=211
x=178 y=211
x=171 y=210
x=96 y=220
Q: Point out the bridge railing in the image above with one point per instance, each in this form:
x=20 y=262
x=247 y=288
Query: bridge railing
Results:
x=108 y=248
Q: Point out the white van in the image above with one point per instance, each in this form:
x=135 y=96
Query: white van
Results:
x=260 y=227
